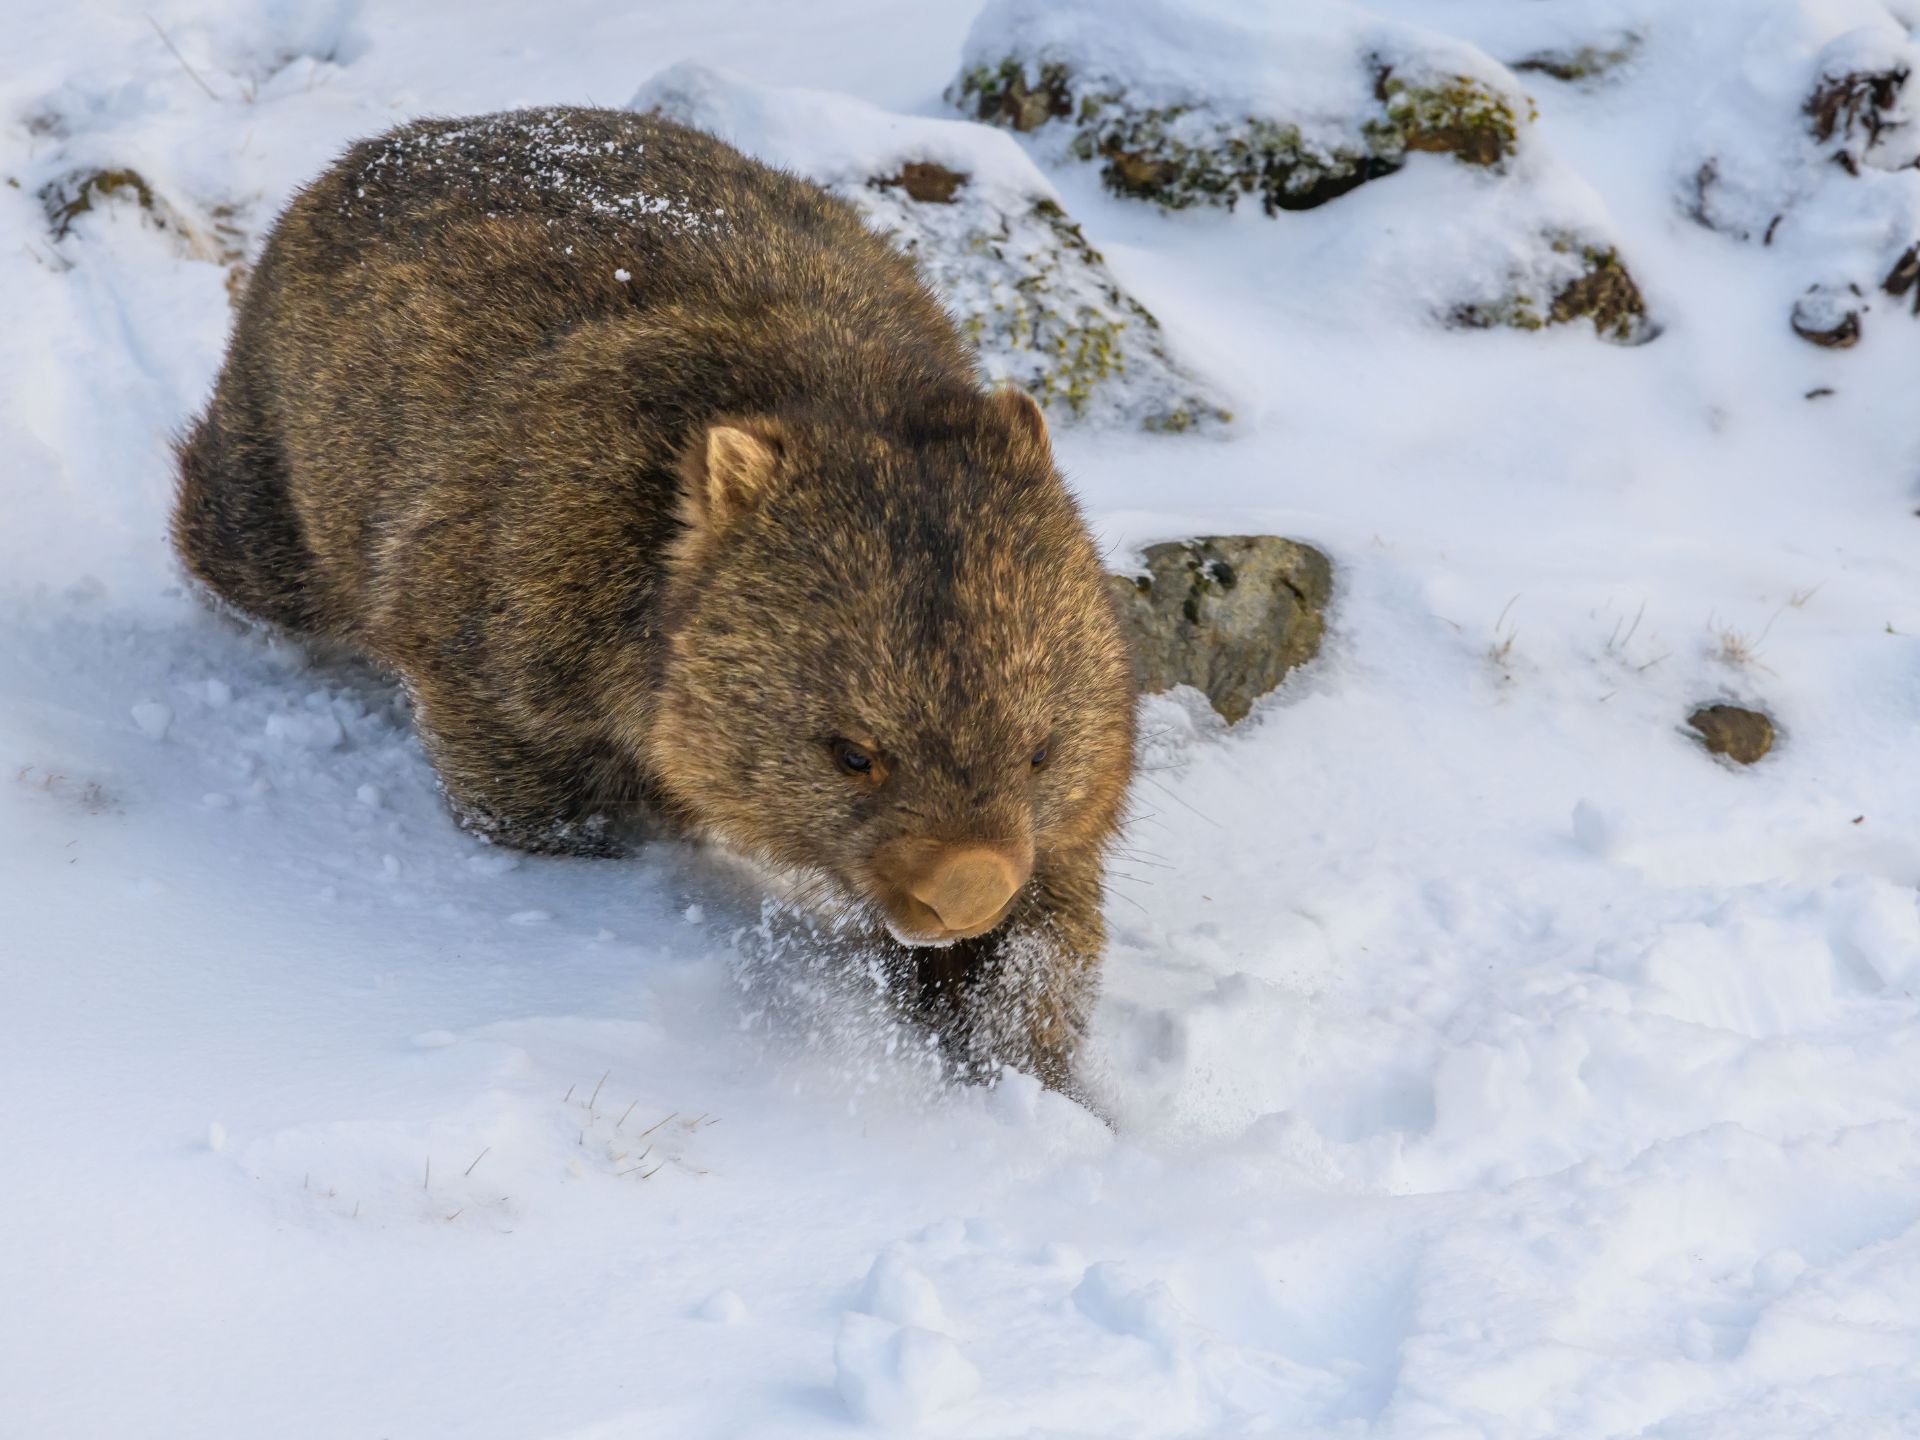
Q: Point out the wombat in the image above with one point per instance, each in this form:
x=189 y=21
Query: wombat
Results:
x=666 y=489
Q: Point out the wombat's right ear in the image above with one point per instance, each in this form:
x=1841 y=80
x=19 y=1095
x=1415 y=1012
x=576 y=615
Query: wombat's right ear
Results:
x=1020 y=411
x=728 y=471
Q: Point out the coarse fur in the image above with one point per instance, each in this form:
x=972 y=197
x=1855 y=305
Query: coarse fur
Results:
x=669 y=490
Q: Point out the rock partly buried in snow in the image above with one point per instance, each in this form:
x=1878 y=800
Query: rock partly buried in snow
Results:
x=987 y=232
x=1829 y=316
x=1229 y=615
x=1579 y=64
x=1572 y=280
x=214 y=235
x=1295 y=105
x=1821 y=161
x=1743 y=736
x=1188 y=105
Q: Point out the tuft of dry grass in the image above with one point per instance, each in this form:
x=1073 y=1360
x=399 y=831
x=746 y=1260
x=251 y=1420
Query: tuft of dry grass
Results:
x=1736 y=648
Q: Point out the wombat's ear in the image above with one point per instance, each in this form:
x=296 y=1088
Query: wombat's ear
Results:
x=728 y=471
x=1020 y=411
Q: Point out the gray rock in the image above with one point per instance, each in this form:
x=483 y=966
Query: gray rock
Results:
x=1229 y=615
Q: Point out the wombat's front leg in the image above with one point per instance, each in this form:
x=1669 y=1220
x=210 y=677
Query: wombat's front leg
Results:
x=553 y=799
x=1020 y=995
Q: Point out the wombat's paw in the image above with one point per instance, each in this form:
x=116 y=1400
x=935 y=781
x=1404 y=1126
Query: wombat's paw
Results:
x=978 y=1055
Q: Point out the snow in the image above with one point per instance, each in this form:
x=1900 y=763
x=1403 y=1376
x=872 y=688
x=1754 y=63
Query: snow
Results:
x=1479 y=1057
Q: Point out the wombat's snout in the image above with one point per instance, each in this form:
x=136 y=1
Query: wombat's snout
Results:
x=934 y=893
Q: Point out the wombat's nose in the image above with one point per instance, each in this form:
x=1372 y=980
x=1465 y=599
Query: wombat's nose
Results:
x=969 y=886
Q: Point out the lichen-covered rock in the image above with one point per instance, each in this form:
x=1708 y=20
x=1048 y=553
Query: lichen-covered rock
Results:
x=1568 y=280
x=1181 y=117
x=1229 y=615
x=1743 y=736
x=987 y=232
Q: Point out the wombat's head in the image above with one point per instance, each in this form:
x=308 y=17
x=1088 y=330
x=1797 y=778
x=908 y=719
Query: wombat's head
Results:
x=892 y=662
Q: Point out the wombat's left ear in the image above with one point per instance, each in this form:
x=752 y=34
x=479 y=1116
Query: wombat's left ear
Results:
x=1020 y=411
x=730 y=470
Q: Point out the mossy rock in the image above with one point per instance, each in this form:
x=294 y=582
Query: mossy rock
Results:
x=1176 y=158
x=1601 y=290
x=1460 y=117
x=1037 y=302
x=1741 y=735
x=1230 y=615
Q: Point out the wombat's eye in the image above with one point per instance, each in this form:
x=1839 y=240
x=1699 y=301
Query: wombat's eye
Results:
x=1039 y=757
x=851 y=758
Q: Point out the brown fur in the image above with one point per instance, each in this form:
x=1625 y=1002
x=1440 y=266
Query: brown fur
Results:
x=660 y=543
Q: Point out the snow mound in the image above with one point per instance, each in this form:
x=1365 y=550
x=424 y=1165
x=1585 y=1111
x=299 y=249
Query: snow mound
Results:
x=1206 y=102
x=897 y=1375
x=1809 y=144
x=986 y=230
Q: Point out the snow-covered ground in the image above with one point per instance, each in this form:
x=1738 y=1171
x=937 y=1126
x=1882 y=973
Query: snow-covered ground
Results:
x=1484 y=1058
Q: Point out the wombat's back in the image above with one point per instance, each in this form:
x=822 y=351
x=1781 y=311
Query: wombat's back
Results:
x=461 y=310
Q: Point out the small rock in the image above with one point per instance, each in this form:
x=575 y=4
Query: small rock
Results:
x=1582 y=62
x=1741 y=735
x=1829 y=316
x=1229 y=615
x=1904 y=275
x=926 y=182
